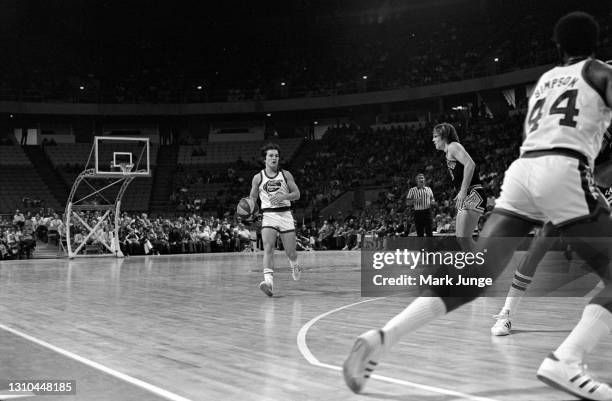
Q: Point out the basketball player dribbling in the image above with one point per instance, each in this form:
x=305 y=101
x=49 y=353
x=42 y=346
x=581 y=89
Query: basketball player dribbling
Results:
x=552 y=181
x=470 y=200
x=277 y=189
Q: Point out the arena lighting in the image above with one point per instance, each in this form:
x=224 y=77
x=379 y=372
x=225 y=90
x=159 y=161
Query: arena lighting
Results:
x=283 y=84
x=82 y=87
x=11 y=116
x=199 y=87
x=496 y=59
x=459 y=108
x=316 y=123
x=268 y=114
x=365 y=77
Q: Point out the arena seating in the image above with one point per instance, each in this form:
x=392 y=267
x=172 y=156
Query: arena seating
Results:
x=19 y=180
x=224 y=173
x=329 y=55
x=229 y=152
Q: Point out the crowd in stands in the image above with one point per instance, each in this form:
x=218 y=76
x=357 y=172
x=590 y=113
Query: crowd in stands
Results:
x=233 y=182
x=346 y=158
x=322 y=53
x=350 y=157
x=138 y=234
x=19 y=233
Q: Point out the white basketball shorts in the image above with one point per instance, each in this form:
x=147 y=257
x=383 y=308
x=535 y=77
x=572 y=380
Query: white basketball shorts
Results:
x=280 y=221
x=550 y=187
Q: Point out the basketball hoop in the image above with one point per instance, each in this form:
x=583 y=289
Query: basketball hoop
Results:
x=126 y=168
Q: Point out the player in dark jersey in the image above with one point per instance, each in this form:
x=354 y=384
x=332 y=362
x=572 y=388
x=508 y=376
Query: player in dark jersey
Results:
x=470 y=200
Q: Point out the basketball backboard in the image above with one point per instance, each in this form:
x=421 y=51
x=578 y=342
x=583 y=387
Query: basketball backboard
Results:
x=115 y=156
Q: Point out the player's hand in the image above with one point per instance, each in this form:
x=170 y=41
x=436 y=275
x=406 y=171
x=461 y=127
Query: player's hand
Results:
x=459 y=199
x=277 y=199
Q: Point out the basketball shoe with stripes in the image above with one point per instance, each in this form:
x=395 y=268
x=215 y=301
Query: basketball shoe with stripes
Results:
x=362 y=360
x=573 y=378
x=503 y=325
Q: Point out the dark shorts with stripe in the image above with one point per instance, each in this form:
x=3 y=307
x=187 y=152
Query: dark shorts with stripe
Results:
x=476 y=199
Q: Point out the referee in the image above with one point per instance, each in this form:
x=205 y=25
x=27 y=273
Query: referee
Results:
x=421 y=197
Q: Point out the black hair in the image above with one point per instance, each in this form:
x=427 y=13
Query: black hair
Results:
x=576 y=34
x=446 y=132
x=270 y=146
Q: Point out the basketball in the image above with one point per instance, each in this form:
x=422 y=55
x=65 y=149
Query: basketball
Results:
x=246 y=208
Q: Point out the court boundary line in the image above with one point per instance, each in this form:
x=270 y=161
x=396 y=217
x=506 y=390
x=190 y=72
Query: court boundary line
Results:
x=307 y=354
x=112 y=372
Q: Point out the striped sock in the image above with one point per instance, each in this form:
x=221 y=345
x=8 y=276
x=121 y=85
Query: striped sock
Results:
x=420 y=312
x=520 y=282
x=595 y=323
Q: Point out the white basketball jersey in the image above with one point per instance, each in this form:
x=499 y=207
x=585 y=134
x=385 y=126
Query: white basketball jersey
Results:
x=565 y=111
x=270 y=186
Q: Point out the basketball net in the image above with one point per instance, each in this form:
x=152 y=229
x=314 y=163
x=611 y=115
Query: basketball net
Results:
x=126 y=168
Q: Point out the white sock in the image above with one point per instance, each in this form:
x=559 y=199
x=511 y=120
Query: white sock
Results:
x=595 y=323
x=268 y=276
x=520 y=282
x=420 y=312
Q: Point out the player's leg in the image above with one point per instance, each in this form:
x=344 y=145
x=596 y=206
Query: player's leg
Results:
x=563 y=368
x=268 y=236
x=468 y=216
x=286 y=227
x=523 y=276
x=371 y=345
x=467 y=220
x=289 y=243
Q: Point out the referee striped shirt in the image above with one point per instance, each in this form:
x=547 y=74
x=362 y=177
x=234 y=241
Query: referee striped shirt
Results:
x=423 y=197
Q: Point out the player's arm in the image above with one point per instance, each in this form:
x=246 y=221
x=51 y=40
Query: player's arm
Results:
x=255 y=187
x=599 y=75
x=603 y=162
x=458 y=152
x=294 y=192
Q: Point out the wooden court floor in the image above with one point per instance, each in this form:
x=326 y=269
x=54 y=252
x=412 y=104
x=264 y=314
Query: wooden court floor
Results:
x=196 y=327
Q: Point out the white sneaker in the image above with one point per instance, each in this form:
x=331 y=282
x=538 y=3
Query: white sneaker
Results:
x=266 y=288
x=362 y=360
x=573 y=378
x=503 y=325
x=296 y=272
